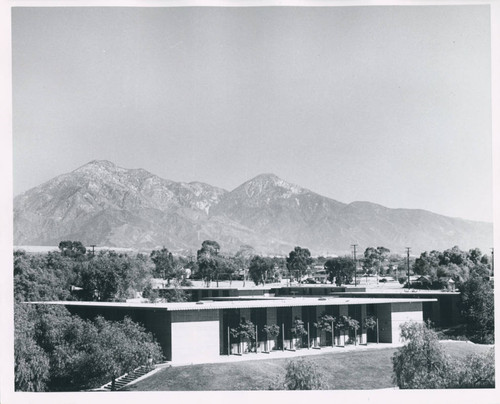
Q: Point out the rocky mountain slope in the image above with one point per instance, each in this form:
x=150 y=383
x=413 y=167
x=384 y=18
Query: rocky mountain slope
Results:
x=103 y=204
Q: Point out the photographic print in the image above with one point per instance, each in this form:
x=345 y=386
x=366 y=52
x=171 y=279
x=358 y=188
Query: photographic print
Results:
x=252 y=198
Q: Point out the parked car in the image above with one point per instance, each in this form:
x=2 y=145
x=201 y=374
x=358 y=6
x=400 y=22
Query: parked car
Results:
x=310 y=280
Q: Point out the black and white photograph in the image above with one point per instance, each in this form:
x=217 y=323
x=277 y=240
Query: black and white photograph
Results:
x=227 y=198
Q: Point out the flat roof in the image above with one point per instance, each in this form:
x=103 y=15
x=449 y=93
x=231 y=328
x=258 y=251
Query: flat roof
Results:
x=240 y=304
x=399 y=292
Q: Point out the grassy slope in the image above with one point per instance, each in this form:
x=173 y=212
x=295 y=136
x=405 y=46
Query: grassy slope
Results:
x=343 y=371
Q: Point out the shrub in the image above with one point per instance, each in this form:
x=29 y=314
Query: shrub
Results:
x=272 y=330
x=301 y=374
x=476 y=371
x=370 y=322
x=421 y=363
x=244 y=332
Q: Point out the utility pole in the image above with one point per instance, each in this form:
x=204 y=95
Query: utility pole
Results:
x=408 y=264
x=355 y=264
x=93 y=252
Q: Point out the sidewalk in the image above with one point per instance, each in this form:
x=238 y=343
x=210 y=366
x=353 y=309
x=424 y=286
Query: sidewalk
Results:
x=278 y=354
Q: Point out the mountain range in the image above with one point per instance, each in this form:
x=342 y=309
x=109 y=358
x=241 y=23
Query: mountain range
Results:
x=106 y=205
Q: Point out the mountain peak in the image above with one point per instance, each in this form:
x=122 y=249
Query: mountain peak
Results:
x=267 y=176
x=268 y=183
x=97 y=165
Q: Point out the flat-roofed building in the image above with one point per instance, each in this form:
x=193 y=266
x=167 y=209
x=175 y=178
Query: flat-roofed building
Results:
x=197 y=332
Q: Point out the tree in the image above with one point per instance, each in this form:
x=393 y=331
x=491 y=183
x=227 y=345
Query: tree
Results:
x=421 y=363
x=173 y=294
x=100 y=278
x=478 y=310
x=298 y=262
x=346 y=323
x=208 y=264
x=325 y=323
x=164 y=264
x=40 y=277
x=260 y=268
x=243 y=257
x=370 y=323
x=352 y=325
x=227 y=267
x=210 y=246
x=121 y=347
x=31 y=363
x=271 y=331
x=374 y=259
x=341 y=269
x=74 y=249
x=301 y=374
x=80 y=354
x=427 y=264
x=452 y=263
x=298 y=330
x=244 y=332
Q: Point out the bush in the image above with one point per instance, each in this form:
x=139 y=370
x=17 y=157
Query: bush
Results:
x=272 y=330
x=476 y=371
x=57 y=351
x=423 y=364
x=370 y=322
x=301 y=374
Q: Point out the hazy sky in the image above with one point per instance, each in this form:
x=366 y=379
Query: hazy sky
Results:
x=385 y=104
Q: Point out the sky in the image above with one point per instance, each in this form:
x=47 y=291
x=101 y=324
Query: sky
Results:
x=390 y=105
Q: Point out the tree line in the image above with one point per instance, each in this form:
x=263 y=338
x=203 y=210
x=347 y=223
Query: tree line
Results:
x=57 y=351
x=113 y=276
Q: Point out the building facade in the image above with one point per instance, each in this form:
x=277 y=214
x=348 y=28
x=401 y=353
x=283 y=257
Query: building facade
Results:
x=199 y=332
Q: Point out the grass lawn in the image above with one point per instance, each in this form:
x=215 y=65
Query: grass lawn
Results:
x=343 y=371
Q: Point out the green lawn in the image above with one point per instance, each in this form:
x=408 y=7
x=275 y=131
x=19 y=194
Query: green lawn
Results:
x=343 y=371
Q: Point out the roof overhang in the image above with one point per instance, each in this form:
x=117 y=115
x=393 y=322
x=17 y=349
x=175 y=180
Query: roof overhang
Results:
x=239 y=304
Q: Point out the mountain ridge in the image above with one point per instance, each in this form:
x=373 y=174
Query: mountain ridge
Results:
x=104 y=204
